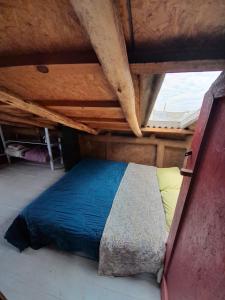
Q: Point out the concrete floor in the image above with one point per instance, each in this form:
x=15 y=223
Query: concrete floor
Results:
x=49 y=274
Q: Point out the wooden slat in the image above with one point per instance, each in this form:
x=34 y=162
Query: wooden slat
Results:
x=94 y=112
x=77 y=103
x=123 y=126
x=14 y=119
x=19 y=113
x=84 y=119
x=168 y=130
x=14 y=111
x=101 y=22
x=2 y=122
x=117 y=126
x=178 y=66
x=16 y=101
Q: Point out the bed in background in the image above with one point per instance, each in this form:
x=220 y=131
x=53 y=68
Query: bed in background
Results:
x=99 y=208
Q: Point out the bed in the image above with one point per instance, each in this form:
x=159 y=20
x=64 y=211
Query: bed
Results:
x=100 y=210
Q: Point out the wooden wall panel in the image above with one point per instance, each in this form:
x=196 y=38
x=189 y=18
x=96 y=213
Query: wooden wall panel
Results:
x=140 y=154
x=173 y=157
x=93 y=149
x=142 y=150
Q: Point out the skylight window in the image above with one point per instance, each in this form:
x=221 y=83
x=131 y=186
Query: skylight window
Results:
x=180 y=98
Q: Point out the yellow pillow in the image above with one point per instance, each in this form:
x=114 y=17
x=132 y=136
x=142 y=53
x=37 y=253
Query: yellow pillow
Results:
x=169 y=180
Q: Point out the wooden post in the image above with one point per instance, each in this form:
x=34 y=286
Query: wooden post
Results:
x=160 y=155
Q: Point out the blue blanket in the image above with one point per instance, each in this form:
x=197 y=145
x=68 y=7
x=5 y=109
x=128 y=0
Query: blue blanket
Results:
x=72 y=213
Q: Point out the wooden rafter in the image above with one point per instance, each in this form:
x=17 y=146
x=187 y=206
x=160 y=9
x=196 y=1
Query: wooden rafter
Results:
x=15 y=119
x=16 y=101
x=101 y=22
x=14 y=124
x=147 y=67
x=178 y=66
x=171 y=65
x=149 y=88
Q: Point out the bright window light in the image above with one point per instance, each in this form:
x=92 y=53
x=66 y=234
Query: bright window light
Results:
x=180 y=98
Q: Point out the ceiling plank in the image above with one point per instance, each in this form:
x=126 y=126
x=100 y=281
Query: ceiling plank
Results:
x=101 y=22
x=89 y=112
x=16 y=101
x=61 y=82
x=15 y=119
x=109 y=125
x=178 y=66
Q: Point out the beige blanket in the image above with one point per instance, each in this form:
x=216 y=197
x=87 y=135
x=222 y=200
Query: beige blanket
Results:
x=133 y=240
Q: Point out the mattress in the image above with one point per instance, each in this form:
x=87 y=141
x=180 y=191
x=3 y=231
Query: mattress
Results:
x=72 y=213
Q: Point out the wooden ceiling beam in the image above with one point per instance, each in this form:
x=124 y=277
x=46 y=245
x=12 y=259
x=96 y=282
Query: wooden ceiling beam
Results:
x=16 y=101
x=138 y=64
x=78 y=103
x=15 y=119
x=178 y=66
x=101 y=22
x=149 y=89
x=49 y=59
x=148 y=67
x=177 y=131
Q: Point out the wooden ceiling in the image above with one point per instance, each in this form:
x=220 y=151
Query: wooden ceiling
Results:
x=48 y=56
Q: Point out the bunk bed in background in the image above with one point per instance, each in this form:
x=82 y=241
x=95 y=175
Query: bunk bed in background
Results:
x=41 y=148
x=2 y=145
